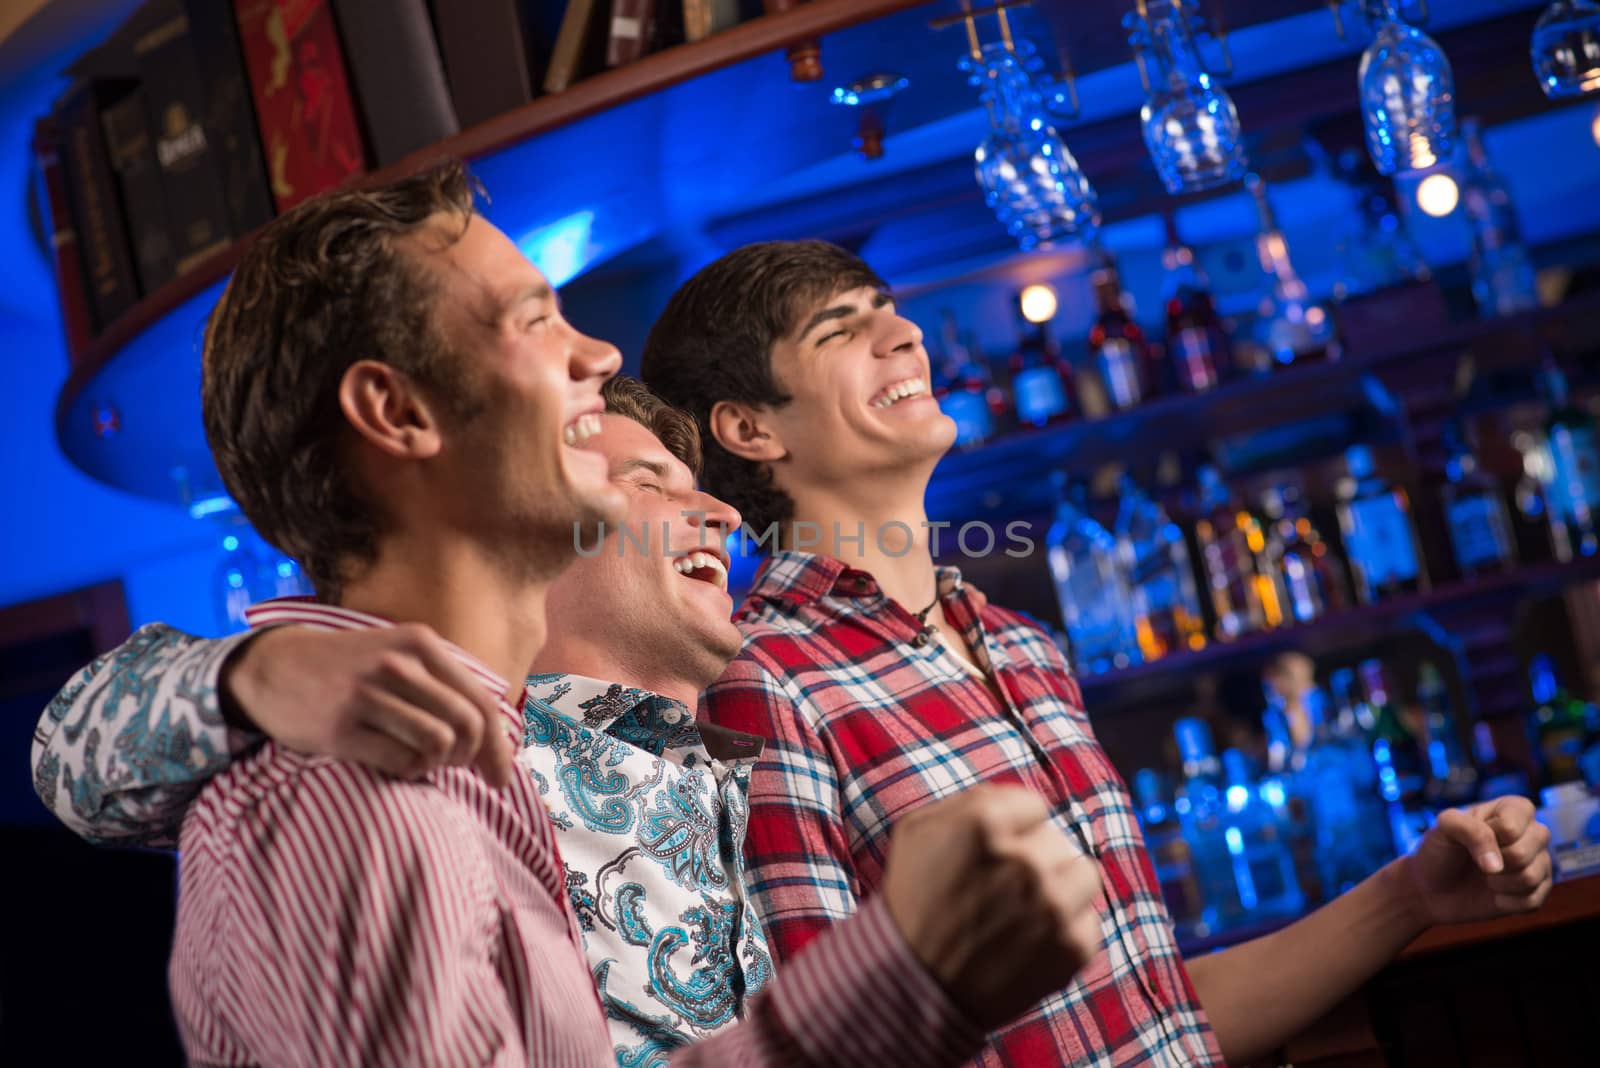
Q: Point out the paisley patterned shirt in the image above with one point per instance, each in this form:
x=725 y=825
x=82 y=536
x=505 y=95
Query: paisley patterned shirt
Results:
x=652 y=828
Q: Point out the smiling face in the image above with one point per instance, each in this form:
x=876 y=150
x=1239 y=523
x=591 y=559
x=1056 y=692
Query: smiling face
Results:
x=517 y=469
x=861 y=402
x=655 y=594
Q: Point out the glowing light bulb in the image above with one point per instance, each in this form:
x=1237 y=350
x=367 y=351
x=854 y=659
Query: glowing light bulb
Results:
x=1437 y=194
x=1038 y=303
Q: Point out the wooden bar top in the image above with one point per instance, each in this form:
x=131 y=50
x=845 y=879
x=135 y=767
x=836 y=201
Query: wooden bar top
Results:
x=1569 y=902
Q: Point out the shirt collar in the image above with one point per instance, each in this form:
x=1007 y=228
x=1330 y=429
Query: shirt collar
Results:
x=799 y=578
x=306 y=612
x=640 y=717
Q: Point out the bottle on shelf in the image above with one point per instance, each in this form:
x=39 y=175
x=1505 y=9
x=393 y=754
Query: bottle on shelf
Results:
x=1452 y=778
x=1201 y=811
x=1351 y=728
x=1572 y=474
x=1503 y=281
x=963 y=389
x=1197 y=345
x=1402 y=774
x=1497 y=776
x=1090 y=585
x=1374 y=249
x=1169 y=853
x=1263 y=864
x=1289 y=325
x=1307 y=572
x=1236 y=573
x=1155 y=559
x=1475 y=510
x=1380 y=542
x=1556 y=726
x=1118 y=349
x=1041 y=389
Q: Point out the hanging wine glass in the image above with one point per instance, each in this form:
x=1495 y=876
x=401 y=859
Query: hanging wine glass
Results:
x=1029 y=179
x=1407 y=93
x=1566 y=48
x=1190 y=124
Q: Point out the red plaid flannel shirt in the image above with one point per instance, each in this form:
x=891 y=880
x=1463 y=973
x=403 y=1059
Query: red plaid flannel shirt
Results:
x=865 y=723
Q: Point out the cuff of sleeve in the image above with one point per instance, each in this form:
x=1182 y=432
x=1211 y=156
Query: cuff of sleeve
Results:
x=214 y=655
x=858 y=995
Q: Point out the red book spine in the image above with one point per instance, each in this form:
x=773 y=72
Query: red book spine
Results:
x=75 y=320
x=309 y=131
x=630 y=24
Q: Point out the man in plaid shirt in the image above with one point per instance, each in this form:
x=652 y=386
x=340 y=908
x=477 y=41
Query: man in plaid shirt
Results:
x=882 y=683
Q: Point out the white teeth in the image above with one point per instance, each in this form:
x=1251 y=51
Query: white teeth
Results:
x=582 y=429
x=899 y=391
x=691 y=562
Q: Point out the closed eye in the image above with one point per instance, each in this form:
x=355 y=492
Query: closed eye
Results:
x=825 y=338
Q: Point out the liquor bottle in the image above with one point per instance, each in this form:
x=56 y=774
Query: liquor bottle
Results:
x=1351 y=729
x=1480 y=527
x=1237 y=575
x=1452 y=779
x=1039 y=378
x=1197 y=345
x=1497 y=776
x=1572 y=476
x=1153 y=555
x=1374 y=249
x=1263 y=865
x=1401 y=768
x=1201 y=811
x=1337 y=783
x=1375 y=519
x=1289 y=325
x=1307 y=574
x=1169 y=853
x=1117 y=346
x=1502 y=277
x=964 y=393
x=1556 y=725
x=1090 y=585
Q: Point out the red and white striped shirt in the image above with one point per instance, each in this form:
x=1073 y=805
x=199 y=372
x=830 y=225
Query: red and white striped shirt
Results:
x=331 y=916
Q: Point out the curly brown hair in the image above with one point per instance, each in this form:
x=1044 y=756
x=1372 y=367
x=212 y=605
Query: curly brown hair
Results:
x=714 y=342
x=327 y=284
x=628 y=397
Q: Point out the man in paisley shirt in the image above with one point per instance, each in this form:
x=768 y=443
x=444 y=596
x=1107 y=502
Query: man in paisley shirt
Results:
x=881 y=683
x=649 y=808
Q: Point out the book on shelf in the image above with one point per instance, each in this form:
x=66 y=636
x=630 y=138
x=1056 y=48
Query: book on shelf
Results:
x=494 y=56
x=229 y=116
x=399 y=78
x=76 y=320
x=175 y=103
x=133 y=160
x=92 y=194
x=580 y=45
x=629 y=36
x=304 y=108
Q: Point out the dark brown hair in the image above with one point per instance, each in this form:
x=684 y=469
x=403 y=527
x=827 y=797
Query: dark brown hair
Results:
x=714 y=343
x=627 y=396
x=321 y=287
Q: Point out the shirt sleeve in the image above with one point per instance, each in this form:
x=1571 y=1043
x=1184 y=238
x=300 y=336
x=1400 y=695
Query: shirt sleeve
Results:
x=127 y=744
x=345 y=919
x=799 y=868
x=856 y=998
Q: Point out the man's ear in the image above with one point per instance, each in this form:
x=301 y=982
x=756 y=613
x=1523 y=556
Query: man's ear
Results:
x=388 y=411
x=746 y=430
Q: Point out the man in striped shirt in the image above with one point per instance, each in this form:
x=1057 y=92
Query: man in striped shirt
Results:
x=394 y=399
x=882 y=683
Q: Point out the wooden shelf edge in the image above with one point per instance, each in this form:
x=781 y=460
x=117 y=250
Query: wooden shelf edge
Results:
x=608 y=89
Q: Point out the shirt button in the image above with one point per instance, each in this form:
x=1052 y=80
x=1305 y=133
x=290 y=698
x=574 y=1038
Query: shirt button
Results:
x=921 y=639
x=671 y=715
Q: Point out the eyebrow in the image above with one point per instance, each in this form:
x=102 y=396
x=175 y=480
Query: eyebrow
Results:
x=628 y=467
x=843 y=311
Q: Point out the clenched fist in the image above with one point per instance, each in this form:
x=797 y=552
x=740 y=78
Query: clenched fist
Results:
x=993 y=899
